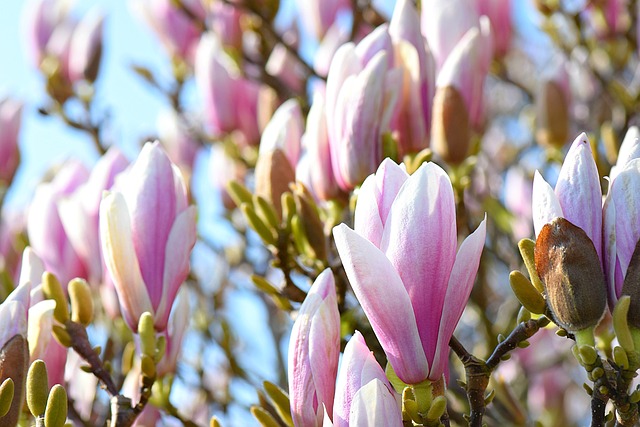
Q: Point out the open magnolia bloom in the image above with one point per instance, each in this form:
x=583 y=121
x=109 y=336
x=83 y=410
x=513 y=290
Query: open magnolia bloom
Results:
x=402 y=264
x=147 y=231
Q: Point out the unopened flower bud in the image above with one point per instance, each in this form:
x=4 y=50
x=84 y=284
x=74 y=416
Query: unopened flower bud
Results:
x=14 y=361
x=37 y=388
x=631 y=287
x=451 y=131
x=81 y=301
x=552 y=115
x=147 y=334
x=6 y=396
x=56 y=414
x=273 y=175
x=53 y=290
x=570 y=269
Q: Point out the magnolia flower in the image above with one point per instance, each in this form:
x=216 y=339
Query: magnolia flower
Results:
x=86 y=47
x=47 y=234
x=314 y=167
x=10 y=120
x=284 y=131
x=621 y=227
x=314 y=348
x=363 y=391
x=629 y=150
x=362 y=91
x=577 y=196
x=402 y=265
x=147 y=231
x=319 y=15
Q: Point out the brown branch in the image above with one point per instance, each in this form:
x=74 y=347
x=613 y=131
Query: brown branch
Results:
x=478 y=372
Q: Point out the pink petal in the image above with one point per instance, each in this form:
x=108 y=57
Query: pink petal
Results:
x=151 y=200
x=178 y=250
x=459 y=288
x=578 y=190
x=544 y=202
x=121 y=260
x=375 y=405
x=385 y=301
x=420 y=241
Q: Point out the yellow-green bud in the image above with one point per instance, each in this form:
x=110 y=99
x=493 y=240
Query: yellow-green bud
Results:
x=6 y=396
x=266 y=233
x=37 y=388
x=280 y=401
x=620 y=357
x=61 y=335
x=56 y=413
x=620 y=323
x=239 y=193
x=161 y=348
x=588 y=354
x=438 y=406
x=527 y=248
x=148 y=366
x=147 y=334
x=81 y=301
x=214 y=422
x=266 y=211
x=264 y=418
x=526 y=293
x=524 y=315
x=53 y=290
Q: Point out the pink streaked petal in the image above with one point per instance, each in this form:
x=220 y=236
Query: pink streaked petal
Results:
x=180 y=188
x=301 y=386
x=375 y=42
x=31 y=269
x=367 y=221
x=544 y=203
x=121 y=260
x=609 y=247
x=375 y=405
x=324 y=350
x=345 y=63
x=151 y=200
x=13 y=315
x=459 y=288
x=358 y=368
x=385 y=301
x=420 y=241
x=178 y=250
x=578 y=190
x=389 y=179
x=625 y=196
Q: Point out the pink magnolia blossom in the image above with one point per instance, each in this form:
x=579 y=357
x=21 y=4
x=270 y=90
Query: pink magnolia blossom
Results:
x=356 y=397
x=314 y=348
x=629 y=150
x=40 y=20
x=444 y=24
x=79 y=212
x=314 y=168
x=499 y=13
x=621 y=226
x=86 y=47
x=577 y=196
x=10 y=121
x=319 y=15
x=402 y=264
x=284 y=131
x=147 y=231
x=45 y=228
x=413 y=120
x=361 y=96
x=176 y=30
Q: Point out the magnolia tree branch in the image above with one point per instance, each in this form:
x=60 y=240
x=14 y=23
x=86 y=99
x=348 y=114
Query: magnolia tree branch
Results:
x=478 y=372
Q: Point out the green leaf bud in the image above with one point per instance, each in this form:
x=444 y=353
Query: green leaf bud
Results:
x=53 y=290
x=81 y=301
x=37 y=388
x=56 y=413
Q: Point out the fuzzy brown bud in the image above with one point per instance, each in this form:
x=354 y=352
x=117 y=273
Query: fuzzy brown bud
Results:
x=568 y=264
x=14 y=361
x=552 y=115
x=451 y=131
x=273 y=175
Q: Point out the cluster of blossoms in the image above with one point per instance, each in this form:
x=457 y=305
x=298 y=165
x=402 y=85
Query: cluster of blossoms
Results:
x=364 y=178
